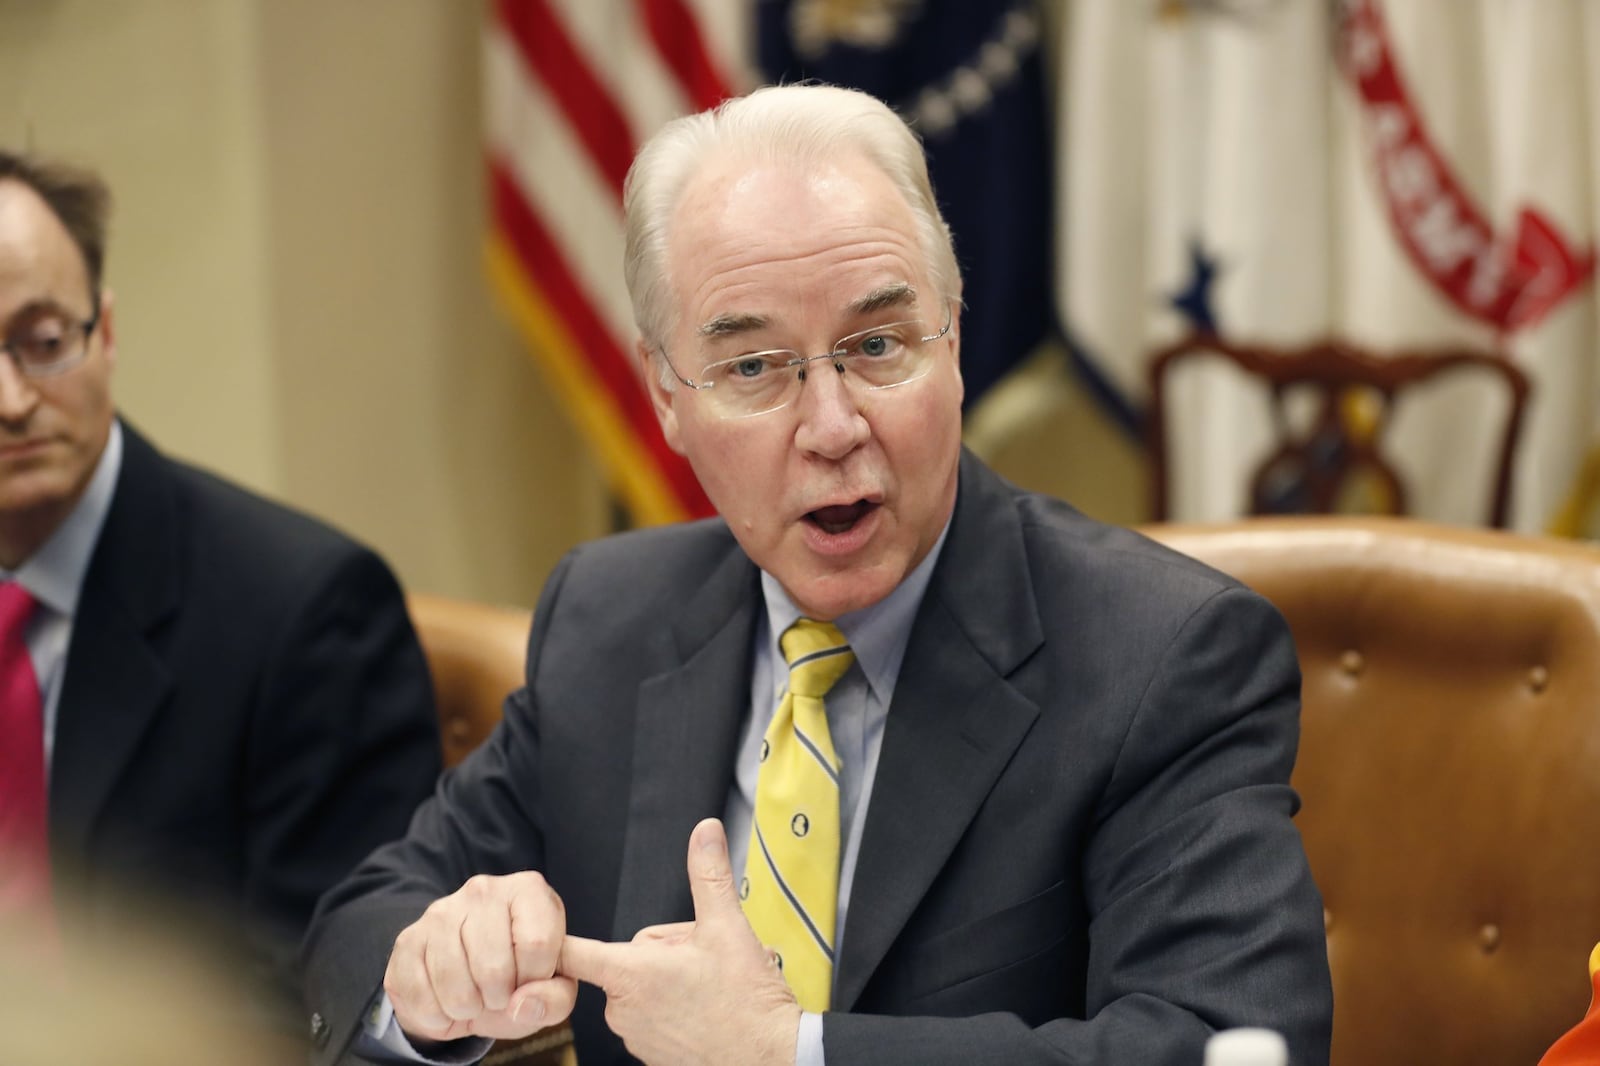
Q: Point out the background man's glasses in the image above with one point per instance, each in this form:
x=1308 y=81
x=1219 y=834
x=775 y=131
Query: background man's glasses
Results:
x=49 y=344
x=755 y=383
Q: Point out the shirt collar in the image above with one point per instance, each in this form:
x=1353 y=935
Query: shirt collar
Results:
x=54 y=574
x=877 y=634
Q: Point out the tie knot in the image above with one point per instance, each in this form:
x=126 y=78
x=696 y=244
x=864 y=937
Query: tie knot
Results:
x=16 y=604
x=818 y=655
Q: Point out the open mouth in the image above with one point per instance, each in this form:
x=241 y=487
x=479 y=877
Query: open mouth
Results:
x=840 y=518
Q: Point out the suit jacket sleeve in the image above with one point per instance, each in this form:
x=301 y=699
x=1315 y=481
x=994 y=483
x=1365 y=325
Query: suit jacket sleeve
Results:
x=343 y=746
x=1202 y=911
x=477 y=822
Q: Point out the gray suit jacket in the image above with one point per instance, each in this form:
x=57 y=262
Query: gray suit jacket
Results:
x=1078 y=847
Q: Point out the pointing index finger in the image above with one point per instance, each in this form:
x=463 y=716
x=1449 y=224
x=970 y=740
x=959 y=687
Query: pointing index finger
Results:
x=593 y=962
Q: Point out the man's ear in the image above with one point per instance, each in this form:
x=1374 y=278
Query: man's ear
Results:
x=660 y=395
x=107 y=326
x=954 y=337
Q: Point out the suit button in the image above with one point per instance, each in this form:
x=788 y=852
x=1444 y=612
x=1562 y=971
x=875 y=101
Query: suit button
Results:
x=319 y=1030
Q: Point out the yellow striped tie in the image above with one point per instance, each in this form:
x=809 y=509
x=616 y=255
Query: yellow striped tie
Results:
x=791 y=884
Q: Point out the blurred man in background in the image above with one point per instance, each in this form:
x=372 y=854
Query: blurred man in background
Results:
x=203 y=696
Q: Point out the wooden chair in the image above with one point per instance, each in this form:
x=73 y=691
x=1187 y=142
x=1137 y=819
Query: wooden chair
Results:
x=476 y=654
x=1314 y=471
x=1450 y=771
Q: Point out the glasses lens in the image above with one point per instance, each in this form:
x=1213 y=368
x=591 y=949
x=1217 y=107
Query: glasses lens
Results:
x=751 y=384
x=886 y=355
x=46 y=343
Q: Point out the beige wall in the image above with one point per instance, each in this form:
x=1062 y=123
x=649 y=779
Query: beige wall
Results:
x=295 y=255
x=429 y=429
x=301 y=303
x=160 y=98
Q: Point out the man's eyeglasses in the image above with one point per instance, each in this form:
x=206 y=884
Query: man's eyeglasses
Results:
x=759 y=382
x=49 y=344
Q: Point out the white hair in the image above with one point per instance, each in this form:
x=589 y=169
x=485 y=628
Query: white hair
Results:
x=801 y=123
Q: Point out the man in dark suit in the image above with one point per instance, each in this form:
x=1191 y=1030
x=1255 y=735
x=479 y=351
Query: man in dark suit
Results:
x=226 y=698
x=1036 y=811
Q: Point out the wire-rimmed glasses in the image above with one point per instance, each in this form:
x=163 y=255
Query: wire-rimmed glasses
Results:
x=756 y=383
x=49 y=343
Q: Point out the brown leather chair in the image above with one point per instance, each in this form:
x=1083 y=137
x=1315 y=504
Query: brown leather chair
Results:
x=476 y=653
x=1450 y=770
x=1340 y=462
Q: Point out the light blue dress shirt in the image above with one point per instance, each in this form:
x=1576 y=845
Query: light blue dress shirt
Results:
x=54 y=574
x=858 y=709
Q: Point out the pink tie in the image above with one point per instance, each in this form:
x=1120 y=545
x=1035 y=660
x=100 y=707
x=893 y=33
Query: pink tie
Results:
x=24 y=819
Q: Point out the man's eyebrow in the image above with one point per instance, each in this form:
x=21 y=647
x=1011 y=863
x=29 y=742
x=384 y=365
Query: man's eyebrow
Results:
x=897 y=294
x=734 y=322
x=42 y=305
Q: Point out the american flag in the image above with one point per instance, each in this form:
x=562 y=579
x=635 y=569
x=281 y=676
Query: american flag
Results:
x=572 y=87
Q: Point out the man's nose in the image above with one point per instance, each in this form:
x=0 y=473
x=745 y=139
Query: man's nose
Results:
x=18 y=397
x=831 y=422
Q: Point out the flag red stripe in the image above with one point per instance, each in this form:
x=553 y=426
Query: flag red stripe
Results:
x=677 y=38
x=590 y=110
x=538 y=252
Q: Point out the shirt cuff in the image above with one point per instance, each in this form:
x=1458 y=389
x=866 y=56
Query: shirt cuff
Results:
x=382 y=1040
x=808 y=1042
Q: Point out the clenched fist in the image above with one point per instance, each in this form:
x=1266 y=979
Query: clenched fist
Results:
x=482 y=961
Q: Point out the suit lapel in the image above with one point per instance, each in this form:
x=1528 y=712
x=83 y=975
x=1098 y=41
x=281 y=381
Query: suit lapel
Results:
x=953 y=725
x=686 y=737
x=114 y=681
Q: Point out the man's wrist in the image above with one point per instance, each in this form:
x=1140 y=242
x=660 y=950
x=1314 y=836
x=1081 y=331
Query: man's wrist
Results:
x=784 y=1046
x=382 y=1040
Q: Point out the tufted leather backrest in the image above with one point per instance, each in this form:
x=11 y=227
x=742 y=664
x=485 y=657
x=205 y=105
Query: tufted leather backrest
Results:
x=1450 y=771
x=475 y=653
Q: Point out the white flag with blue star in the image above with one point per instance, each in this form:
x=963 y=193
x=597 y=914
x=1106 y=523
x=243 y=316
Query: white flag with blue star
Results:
x=1401 y=174
x=1194 y=155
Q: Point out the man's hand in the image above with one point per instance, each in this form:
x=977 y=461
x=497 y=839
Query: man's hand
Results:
x=481 y=962
x=701 y=992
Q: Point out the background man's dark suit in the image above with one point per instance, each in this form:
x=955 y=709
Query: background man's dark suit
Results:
x=245 y=711
x=1081 y=806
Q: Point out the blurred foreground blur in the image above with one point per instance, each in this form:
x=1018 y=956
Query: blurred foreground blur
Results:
x=144 y=996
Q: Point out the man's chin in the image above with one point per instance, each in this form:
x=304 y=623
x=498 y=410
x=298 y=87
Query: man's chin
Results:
x=33 y=490
x=826 y=597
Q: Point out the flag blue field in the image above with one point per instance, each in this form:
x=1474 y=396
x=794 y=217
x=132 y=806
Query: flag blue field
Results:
x=970 y=79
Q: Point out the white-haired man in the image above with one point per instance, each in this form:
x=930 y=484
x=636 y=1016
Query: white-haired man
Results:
x=963 y=776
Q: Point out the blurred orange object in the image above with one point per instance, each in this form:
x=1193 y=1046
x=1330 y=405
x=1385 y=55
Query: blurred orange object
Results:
x=1581 y=1045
